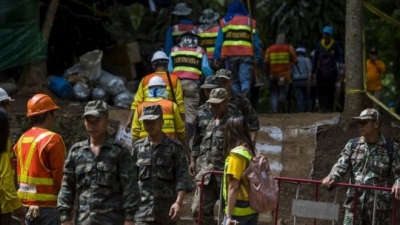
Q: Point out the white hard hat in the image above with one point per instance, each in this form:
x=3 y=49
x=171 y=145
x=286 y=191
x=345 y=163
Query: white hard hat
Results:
x=156 y=81
x=159 y=55
x=4 y=96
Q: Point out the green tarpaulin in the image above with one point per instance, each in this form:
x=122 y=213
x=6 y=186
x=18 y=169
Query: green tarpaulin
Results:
x=20 y=39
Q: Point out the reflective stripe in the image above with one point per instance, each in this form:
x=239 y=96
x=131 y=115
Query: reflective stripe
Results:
x=24 y=168
x=208 y=35
x=168 y=117
x=237 y=211
x=196 y=53
x=237 y=43
x=188 y=69
x=37 y=196
x=27 y=140
x=35 y=180
x=236 y=27
x=280 y=57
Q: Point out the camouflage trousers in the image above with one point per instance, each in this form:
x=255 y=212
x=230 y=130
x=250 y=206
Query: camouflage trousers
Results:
x=382 y=217
x=210 y=197
x=155 y=223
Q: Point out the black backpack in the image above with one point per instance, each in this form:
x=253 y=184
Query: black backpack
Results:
x=389 y=147
x=326 y=65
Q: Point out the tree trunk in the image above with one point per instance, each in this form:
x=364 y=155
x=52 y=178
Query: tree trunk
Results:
x=33 y=77
x=354 y=102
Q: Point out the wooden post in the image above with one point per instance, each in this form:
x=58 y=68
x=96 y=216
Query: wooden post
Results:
x=354 y=101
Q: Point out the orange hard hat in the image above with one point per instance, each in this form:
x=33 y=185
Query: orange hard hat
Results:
x=39 y=104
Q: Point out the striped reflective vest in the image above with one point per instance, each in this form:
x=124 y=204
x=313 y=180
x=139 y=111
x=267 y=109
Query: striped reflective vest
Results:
x=244 y=208
x=179 y=29
x=163 y=75
x=237 y=36
x=187 y=62
x=36 y=185
x=168 y=115
x=208 y=38
x=279 y=59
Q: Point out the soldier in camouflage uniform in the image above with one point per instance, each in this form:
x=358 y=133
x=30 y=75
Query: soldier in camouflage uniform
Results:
x=204 y=115
x=241 y=102
x=162 y=169
x=98 y=173
x=210 y=151
x=372 y=162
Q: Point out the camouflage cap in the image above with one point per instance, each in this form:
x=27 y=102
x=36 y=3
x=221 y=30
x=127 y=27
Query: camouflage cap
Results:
x=218 y=95
x=211 y=82
x=96 y=108
x=224 y=73
x=151 y=112
x=368 y=114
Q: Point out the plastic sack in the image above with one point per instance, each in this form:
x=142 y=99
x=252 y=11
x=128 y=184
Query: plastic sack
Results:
x=100 y=94
x=111 y=84
x=124 y=99
x=81 y=91
x=90 y=65
x=10 y=87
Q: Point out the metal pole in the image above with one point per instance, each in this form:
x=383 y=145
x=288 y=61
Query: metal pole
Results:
x=374 y=210
x=297 y=197
x=277 y=205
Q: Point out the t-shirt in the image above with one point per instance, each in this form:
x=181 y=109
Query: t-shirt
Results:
x=236 y=166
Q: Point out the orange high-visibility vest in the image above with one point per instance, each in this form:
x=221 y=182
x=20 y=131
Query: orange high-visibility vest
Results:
x=168 y=115
x=187 y=62
x=36 y=185
x=181 y=28
x=237 y=36
x=163 y=75
x=208 y=38
x=279 y=55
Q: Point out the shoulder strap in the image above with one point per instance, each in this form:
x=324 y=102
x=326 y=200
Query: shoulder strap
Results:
x=354 y=144
x=390 y=149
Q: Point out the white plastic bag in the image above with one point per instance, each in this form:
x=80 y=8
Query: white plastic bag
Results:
x=90 y=65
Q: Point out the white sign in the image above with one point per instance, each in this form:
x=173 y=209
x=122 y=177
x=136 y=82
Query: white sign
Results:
x=123 y=136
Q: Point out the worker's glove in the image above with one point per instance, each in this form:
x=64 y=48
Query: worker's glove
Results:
x=33 y=212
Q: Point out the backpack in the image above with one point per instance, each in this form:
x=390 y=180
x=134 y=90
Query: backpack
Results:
x=264 y=189
x=326 y=65
x=389 y=146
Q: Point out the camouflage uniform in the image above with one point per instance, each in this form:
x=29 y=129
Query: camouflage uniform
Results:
x=369 y=164
x=104 y=186
x=241 y=102
x=210 y=156
x=245 y=108
x=162 y=171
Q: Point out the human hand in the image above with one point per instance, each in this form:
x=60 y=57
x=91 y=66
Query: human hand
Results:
x=128 y=126
x=217 y=62
x=328 y=182
x=175 y=211
x=192 y=168
x=396 y=191
x=67 y=222
x=129 y=223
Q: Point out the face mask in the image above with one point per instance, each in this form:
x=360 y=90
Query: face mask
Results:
x=154 y=92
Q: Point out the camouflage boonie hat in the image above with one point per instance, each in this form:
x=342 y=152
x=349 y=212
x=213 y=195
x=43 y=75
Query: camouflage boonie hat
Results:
x=368 y=114
x=211 y=82
x=96 y=108
x=218 y=95
x=224 y=73
x=151 y=112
